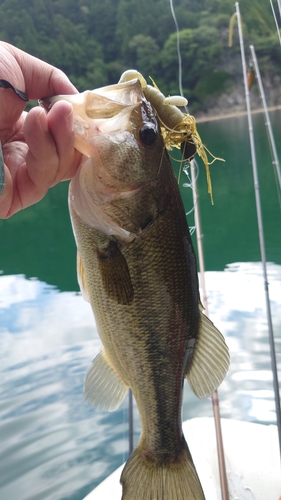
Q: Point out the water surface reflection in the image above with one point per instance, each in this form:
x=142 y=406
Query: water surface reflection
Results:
x=55 y=446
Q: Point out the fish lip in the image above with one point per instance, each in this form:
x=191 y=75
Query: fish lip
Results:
x=48 y=102
x=105 y=92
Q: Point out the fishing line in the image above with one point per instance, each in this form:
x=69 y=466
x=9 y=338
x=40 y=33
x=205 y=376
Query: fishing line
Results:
x=178 y=47
x=194 y=140
x=186 y=169
x=190 y=185
x=187 y=185
x=215 y=400
x=279 y=6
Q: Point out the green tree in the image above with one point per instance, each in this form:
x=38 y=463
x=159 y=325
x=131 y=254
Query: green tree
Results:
x=94 y=41
x=144 y=54
x=200 y=50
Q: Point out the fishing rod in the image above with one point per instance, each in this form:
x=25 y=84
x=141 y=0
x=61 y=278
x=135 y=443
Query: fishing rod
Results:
x=279 y=6
x=215 y=397
x=131 y=423
x=267 y=117
x=275 y=20
x=260 y=227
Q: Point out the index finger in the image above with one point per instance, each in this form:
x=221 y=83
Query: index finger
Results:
x=41 y=79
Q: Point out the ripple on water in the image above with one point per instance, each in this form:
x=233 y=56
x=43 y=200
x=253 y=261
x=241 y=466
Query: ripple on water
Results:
x=56 y=447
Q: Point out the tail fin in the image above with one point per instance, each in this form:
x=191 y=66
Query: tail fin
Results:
x=143 y=479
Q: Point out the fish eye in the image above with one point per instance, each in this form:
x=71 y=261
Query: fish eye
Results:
x=148 y=134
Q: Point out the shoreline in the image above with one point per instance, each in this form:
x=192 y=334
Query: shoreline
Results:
x=234 y=114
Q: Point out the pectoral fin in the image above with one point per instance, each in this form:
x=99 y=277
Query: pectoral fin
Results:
x=103 y=388
x=210 y=360
x=115 y=274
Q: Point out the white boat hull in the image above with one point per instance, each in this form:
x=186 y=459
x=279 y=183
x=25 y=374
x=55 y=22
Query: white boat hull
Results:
x=251 y=455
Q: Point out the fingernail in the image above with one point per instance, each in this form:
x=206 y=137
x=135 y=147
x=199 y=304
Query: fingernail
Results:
x=70 y=111
x=69 y=117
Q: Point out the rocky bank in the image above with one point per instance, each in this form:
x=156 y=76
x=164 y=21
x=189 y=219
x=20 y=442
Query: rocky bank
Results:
x=233 y=102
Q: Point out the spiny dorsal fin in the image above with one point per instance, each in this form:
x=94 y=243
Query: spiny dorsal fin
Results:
x=115 y=274
x=103 y=388
x=210 y=360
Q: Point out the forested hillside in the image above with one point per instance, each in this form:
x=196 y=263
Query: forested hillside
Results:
x=94 y=41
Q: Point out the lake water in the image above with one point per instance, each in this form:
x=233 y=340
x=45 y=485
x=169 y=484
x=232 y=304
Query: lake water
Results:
x=53 y=445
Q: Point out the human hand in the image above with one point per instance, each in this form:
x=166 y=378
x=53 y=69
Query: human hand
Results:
x=38 y=148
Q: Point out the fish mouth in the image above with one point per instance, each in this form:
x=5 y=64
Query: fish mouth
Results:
x=104 y=102
x=111 y=126
x=104 y=111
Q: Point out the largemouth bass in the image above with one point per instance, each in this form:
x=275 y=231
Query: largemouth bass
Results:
x=137 y=268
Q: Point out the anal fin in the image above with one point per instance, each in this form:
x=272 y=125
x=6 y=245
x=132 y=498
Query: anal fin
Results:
x=210 y=360
x=103 y=388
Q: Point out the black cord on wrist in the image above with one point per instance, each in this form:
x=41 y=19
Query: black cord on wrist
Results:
x=7 y=85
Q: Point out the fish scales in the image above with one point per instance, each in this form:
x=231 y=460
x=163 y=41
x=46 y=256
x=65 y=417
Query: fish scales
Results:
x=140 y=338
x=137 y=268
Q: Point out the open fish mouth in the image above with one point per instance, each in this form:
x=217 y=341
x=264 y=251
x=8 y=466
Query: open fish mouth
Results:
x=104 y=102
x=112 y=111
x=178 y=128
